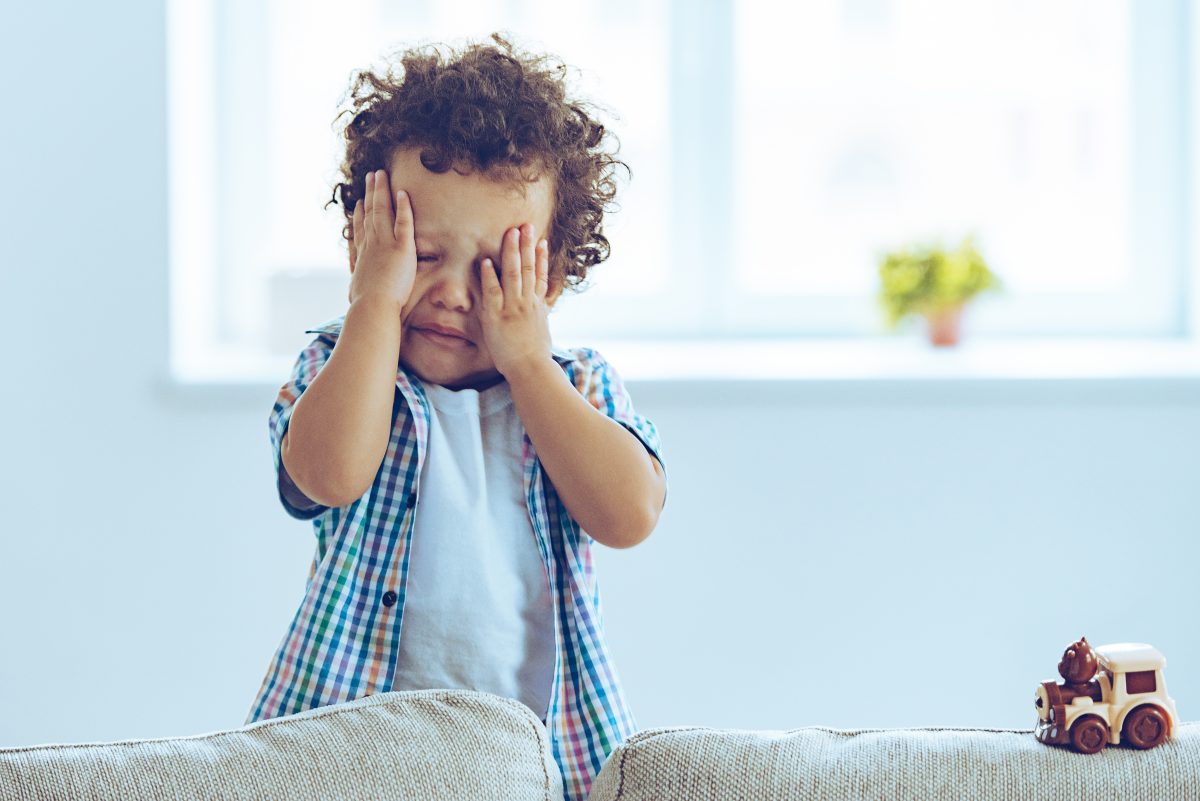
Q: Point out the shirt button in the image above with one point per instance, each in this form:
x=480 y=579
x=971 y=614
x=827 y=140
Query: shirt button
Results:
x=412 y=499
x=389 y=598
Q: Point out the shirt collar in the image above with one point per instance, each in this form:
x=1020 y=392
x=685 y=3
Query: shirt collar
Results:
x=334 y=327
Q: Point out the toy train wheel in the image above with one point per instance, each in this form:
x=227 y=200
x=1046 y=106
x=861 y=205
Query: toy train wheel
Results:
x=1089 y=734
x=1145 y=727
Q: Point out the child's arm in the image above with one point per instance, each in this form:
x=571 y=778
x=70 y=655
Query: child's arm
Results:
x=341 y=424
x=605 y=477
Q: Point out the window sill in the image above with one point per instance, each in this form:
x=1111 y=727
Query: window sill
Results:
x=890 y=371
x=905 y=358
x=870 y=369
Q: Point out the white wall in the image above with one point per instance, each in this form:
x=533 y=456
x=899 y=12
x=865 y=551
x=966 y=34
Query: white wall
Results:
x=869 y=555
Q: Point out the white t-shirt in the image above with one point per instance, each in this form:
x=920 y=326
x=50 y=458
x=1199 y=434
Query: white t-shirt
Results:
x=477 y=610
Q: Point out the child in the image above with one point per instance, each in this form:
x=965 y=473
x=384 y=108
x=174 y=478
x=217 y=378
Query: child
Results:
x=455 y=465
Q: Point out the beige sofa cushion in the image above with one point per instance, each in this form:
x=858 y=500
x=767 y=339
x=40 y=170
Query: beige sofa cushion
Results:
x=817 y=763
x=428 y=744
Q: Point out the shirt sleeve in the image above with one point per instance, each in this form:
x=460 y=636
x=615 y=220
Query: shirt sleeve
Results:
x=602 y=386
x=309 y=363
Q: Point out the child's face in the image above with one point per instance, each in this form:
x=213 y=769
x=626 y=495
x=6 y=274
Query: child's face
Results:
x=459 y=221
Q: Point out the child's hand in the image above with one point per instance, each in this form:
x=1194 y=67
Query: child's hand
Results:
x=513 y=312
x=383 y=260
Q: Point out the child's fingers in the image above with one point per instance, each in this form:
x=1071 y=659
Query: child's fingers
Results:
x=371 y=222
x=489 y=283
x=528 y=267
x=542 y=272
x=403 y=228
x=367 y=200
x=510 y=262
x=379 y=212
x=373 y=210
x=359 y=219
x=356 y=229
x=387 y=200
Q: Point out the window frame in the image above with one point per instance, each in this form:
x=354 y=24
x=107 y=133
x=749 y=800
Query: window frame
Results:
x=702 y=95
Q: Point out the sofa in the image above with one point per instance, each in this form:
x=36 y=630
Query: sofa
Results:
x=437 y=745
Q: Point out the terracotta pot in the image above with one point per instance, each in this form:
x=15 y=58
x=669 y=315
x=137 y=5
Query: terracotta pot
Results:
x=945 y=325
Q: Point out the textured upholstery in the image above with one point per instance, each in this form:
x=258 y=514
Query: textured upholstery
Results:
x=432 y=745
x=816 y=763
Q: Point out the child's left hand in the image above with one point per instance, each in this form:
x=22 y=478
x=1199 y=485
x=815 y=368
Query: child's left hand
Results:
x=513 y=312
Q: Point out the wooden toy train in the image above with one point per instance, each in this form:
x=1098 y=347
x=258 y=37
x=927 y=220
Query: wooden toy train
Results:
x=1110 y=694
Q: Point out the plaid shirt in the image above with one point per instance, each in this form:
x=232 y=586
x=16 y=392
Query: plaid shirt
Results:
x=342 y=642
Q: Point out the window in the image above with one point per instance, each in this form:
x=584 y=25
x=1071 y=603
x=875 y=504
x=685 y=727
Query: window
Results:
x=1140 y=681
x=775 y=152
x=1053 y=130
x=255 y=87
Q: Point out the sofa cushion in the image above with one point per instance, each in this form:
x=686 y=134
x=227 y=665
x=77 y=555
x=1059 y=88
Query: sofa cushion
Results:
x=722 y=765
x=426 y=744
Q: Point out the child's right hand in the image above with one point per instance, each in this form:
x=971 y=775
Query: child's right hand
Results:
x=383 y=251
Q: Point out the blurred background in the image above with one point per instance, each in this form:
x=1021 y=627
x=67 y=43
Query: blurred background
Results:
x=862 y=529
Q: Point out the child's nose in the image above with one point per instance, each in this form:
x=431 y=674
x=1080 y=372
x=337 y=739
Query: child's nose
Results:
x=453 y=287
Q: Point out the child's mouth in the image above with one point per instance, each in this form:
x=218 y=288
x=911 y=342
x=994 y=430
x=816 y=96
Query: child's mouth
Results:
x=444 y=340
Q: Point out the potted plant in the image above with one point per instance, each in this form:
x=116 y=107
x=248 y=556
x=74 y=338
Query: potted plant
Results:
x=934 y=283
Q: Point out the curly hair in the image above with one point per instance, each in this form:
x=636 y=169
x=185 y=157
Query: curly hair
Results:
x=497 y=111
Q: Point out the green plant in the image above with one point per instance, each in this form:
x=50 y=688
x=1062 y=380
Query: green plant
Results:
x=927 y=279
